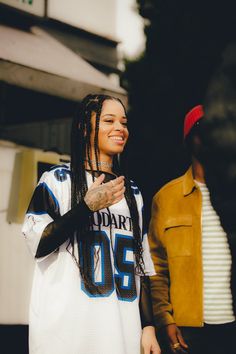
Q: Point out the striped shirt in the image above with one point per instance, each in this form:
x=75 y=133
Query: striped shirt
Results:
x=216 y=258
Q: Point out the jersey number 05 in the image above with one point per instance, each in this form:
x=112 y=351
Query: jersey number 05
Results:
x=106 y=277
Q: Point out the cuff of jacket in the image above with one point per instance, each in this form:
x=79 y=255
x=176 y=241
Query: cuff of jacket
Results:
x=164 y=319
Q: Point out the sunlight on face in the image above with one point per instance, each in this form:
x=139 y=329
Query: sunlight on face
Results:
x=113 y=132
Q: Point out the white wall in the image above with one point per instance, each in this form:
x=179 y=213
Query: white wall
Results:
x=16 y=263
x=97 y=16
x=36 y=7
x=130 y=29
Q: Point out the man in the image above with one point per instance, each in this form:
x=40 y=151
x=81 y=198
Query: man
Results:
x=192 y=297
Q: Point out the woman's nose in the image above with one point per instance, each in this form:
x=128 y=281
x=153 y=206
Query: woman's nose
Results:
x=118 y=126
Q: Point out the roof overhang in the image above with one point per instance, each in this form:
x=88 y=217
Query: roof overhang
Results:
x=37 y=61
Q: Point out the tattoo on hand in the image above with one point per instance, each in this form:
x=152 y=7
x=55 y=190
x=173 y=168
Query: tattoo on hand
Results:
x=96 y=199
x=104 y=195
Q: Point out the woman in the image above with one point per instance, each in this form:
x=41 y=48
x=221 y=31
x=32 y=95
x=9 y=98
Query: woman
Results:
x=83 y=227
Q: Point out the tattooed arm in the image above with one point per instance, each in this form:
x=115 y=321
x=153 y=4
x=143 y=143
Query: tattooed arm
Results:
x=98 y=196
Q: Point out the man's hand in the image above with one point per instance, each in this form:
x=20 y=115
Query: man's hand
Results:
x=175 y=340
x=149 y=341
x=101 y=196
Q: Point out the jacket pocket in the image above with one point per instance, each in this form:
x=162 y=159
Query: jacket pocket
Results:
x=178 y=234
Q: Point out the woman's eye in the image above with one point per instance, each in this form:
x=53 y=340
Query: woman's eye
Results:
x=108 y=121
x=124 y=123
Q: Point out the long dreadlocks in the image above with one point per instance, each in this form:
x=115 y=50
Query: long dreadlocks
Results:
x=80 y=153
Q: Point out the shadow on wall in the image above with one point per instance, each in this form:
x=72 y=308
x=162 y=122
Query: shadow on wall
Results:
x=14 y=339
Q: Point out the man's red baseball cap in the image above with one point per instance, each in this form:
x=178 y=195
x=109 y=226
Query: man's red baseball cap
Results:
x=191 y=118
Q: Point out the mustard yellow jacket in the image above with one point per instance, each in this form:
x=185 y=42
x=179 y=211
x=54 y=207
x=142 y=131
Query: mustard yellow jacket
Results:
x=175 y=244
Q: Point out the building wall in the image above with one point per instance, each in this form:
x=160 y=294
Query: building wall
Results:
x=16 y=263
x=91 y=15
x=96 y=16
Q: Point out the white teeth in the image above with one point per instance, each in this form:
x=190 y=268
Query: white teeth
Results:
x=117 y=138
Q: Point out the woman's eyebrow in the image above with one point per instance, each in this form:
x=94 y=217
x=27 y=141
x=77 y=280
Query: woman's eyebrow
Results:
x=112 y=115
x=108 y=114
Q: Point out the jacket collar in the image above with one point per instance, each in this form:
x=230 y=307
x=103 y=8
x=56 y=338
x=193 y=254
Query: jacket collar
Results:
x=188 y=182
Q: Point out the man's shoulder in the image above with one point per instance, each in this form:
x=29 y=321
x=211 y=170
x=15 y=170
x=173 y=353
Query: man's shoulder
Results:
x=171 y=187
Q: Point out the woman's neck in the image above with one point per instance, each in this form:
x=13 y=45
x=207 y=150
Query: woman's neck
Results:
x=104 y=164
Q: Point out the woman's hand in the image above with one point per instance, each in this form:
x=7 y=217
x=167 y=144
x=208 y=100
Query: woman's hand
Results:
x=101 y=196
x=149 y=341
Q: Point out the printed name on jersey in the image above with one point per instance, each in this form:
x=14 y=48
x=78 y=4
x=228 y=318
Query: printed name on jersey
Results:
x=105 y=219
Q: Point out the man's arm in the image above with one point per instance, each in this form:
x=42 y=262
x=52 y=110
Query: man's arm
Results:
x=160 y=283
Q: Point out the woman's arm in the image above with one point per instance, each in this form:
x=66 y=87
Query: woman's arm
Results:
x=46 y=229
x=145 y=303
x=58 y=231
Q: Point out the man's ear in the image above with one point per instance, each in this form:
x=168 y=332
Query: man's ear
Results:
x=197 y=145
x=197 y=140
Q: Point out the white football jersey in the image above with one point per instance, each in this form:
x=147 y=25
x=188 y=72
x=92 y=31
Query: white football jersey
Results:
x=65 y=315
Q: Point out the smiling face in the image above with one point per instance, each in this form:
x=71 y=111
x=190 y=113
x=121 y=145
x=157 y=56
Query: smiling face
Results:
x=113 y=132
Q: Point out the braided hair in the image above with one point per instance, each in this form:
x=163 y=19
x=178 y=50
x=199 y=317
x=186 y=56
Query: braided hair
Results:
x=80 y=154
